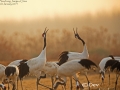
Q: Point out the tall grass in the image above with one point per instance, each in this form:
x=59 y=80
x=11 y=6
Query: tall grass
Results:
x=20 y=45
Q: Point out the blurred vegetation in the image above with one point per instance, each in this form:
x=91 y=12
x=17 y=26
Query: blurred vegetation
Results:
x=20 y=45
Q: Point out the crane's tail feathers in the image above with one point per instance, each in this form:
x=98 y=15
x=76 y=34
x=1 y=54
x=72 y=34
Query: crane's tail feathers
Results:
x=63 y=57
x=87 y=63
x=109 y=63
x=63 y=54
x=115 y=66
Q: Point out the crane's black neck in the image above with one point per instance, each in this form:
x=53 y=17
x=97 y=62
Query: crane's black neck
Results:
x=82 y=41
x=44 y=43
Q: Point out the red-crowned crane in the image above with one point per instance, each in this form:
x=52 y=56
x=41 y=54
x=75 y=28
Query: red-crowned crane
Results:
x=67 y=56
x=12 y=73
x=2 y=70
x=72 y=67
x=35 y=65
x=105 y=63
x=17 y=63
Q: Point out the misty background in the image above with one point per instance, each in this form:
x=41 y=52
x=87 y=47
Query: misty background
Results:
x=22 y=39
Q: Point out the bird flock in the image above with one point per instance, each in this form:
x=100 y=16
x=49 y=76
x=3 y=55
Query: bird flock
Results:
x=68 y=65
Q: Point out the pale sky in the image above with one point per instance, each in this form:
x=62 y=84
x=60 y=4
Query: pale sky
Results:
x=50 y=8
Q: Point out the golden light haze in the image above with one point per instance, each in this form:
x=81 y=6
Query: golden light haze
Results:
x=21 y=26
x=51 y=8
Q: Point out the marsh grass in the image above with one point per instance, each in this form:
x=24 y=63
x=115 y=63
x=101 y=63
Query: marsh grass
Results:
x=18 y=45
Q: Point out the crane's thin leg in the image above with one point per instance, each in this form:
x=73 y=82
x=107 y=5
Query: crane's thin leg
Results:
x=21 y=84
x=109 y=77
x=102 y=81
x=38 y=79
x=87 y=80
x=116 y=81
x=103 y=76
x=8 y=86
x=45 y=86
x=37 y=83
x=13 y=86
x=71 y=83
x=17 y=82
x=52 y=79
x=78 y=82
x=79 y=85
